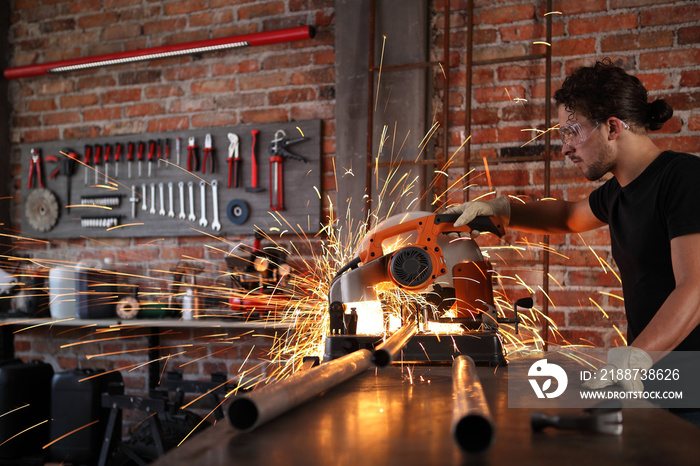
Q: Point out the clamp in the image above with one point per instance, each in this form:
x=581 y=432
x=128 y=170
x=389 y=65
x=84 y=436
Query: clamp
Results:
x=35 y=166
x=278 y=152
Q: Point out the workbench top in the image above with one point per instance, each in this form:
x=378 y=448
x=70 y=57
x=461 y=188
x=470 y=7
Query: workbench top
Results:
x=401 y=415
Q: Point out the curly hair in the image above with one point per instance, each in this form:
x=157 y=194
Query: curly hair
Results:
x=605 y=90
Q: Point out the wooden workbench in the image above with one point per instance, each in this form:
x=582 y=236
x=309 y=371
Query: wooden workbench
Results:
x=388 y=417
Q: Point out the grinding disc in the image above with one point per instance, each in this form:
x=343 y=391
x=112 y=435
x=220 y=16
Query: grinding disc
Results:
x=237 y=211
x=128 y=308
x=41 y=209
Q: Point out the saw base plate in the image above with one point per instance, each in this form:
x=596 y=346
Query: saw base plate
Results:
x=485 y=348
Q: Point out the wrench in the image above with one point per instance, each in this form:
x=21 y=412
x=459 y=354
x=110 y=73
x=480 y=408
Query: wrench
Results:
x=203 y=195
x=181 y=186
x=144 y=206
x=162 y=200
x=215 y=225
x=190 y=187
x=153 y=199
x=171 y=211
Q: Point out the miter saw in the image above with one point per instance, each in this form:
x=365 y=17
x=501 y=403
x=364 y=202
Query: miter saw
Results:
x=425 y=254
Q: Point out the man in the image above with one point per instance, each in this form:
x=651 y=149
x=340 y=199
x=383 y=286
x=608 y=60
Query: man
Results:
x=651 y=204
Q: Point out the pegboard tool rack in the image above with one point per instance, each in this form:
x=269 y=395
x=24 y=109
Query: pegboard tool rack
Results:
x=301 y=185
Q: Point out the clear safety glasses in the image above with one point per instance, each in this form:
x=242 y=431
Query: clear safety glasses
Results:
x=575 y=135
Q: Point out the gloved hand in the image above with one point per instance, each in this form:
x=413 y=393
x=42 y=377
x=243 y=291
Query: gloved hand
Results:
x=615 y=372
x=499 y=207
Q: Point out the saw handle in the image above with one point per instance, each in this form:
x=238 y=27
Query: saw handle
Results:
x=482 y=223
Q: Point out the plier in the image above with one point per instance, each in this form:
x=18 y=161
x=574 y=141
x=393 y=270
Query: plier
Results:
x=191 y=155
x=207 y=153
x=35 y=166
x=234 y=159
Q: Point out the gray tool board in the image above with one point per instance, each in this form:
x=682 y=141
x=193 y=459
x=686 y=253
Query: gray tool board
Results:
x=103 y=207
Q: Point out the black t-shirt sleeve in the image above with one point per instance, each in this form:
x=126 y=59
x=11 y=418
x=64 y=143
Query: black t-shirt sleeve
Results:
x=599 y=199
x=680 y=200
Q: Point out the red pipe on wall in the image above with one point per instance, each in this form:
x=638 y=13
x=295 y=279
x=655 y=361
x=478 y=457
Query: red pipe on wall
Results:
x=244 y=40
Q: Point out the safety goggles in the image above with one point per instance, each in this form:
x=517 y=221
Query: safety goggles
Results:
x=574 y=135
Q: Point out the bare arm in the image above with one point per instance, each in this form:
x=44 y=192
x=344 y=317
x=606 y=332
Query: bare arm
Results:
x=680 y=313
x=553 y=217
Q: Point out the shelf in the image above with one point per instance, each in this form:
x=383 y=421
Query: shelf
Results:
x=169 y=323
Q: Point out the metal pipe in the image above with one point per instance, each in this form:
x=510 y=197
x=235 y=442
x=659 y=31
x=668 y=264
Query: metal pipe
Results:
x=384 y=354
x=244 y=40
x=472 y=426
x=246 y=412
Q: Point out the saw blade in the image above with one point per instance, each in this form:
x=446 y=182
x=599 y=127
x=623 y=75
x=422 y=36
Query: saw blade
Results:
x=41 y=209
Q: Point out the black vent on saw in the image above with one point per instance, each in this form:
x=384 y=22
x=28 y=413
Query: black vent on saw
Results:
x=411 y=266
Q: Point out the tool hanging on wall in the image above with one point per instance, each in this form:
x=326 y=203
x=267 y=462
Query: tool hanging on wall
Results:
x=278 y=152
x=117 y=156
x=140 y=155
x=108 y=154
x=178 y=149
x=254 y=188
x=192 y=155
x=41 y=209
x=208 y=153
x=96 y=162
x=151 y=153
x=234 y=159
x=66 y=167
x=88 y=159
x=129 y=157
x=35 y=168
x=134 y=199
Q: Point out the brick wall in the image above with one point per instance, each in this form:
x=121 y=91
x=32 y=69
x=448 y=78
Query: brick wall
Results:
x=654 y=39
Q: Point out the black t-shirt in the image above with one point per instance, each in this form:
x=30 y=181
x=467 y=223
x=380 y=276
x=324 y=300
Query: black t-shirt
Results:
x=662 y=203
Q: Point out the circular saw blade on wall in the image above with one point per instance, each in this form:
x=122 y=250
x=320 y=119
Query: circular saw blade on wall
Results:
x=41 y=209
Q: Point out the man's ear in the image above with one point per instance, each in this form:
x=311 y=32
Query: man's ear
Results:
x=615 y=127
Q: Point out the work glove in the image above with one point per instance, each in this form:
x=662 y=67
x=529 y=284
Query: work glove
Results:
x=499 y=207
x=615 y=371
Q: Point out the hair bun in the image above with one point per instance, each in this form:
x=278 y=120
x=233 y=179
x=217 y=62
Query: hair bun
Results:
x=659 y=113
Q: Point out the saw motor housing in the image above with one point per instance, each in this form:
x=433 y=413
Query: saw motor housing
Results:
x=416 y=252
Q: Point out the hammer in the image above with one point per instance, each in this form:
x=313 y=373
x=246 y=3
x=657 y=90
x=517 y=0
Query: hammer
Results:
x=603 y=418
x=254 y=188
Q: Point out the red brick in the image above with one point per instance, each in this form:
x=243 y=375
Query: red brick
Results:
x=163 y=91
x=105 y=113
x=42 y=105
x=48 y=134
x=669 y=59
x=214 y=119
x=581 y=337
x=60 y=118
x=567 y=47
x=589 y=6
x=81 y=132
x=121 y=32
x=505 y=14
x=689 y=35
x=690 y=78
x=262 y=81
x=78 y=100
x=120 y=96
x=591 y=25
x=143 y=109
x=258 y=10
x=213 y=85
x=168 y=124
x=670 y=15
x=181 y=7
x=636 y=41
x=98 y=20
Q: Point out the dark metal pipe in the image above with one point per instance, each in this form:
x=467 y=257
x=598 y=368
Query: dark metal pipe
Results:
x=246 y=412
x=472 y=426
x=384 y=354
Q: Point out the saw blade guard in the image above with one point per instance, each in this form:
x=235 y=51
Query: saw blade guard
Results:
x=419 y=252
